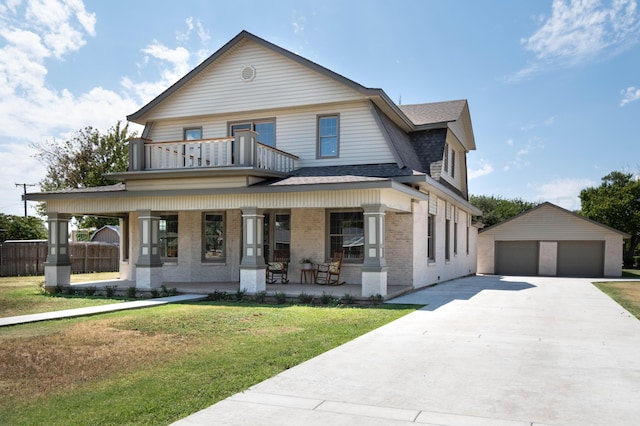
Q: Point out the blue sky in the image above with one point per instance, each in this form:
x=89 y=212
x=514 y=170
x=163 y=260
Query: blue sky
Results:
x=553 y=86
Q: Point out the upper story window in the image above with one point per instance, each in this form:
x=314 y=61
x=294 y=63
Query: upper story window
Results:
x=431 y=238
x=328 y=136
x=192 y=133
x=266 y=130
x=446 y=157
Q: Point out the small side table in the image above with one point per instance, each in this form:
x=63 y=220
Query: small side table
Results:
x=307 y=275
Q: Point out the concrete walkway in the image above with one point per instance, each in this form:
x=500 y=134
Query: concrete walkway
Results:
x=484 y=351
x=94 y=310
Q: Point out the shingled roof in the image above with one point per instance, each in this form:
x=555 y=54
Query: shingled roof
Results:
x=435 y=112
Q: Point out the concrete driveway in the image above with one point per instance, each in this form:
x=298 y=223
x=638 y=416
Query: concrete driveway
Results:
x=484 y=351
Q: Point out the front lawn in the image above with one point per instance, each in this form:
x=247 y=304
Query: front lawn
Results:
x=23 y=295
x=154 y=366
x=626 y=293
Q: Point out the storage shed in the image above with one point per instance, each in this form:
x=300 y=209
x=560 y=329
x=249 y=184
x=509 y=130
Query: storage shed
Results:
x=107 y=234
x=550 y=241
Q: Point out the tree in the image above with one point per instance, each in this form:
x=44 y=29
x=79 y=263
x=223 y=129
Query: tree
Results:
x=82 y=161
x=497 y=209
x=616 y=203
x=21 y=228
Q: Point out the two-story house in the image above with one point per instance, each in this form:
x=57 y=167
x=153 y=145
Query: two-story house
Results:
x=258 y=149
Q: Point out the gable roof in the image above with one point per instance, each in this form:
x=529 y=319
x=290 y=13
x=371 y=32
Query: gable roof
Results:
x=551 y=205
x=377 y=95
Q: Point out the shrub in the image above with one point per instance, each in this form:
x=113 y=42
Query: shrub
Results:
x=240 y=295
x=260 y=296
x=376 y=299
x=110 y=290
x=328 y=299
x=90 y=290
x=348 y=299
x=218 y=295
x=305 y=298
x=164 y=291
x=131 y=292
x=154 y=292
x=281 y=298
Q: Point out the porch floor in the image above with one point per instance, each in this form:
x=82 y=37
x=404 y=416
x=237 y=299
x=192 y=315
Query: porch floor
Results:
x=291 y=289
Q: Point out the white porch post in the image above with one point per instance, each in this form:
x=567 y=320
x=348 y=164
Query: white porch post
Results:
x=149 y=265
x=374 y=268
x=252 y=267
x=57 y=268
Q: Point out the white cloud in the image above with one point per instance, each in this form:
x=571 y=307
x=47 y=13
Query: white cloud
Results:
x=485 y=169
x=579 y=31
x=562 y=192
x=510 y=142
x=34 y=33
x=630 y=94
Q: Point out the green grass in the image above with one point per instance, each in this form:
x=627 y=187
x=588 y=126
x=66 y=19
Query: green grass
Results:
x=154 y=366
x=626 y=293
x=23 y=295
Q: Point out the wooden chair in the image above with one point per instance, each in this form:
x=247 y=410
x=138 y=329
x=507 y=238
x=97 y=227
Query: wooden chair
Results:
x=329 y=273
x=279 y=267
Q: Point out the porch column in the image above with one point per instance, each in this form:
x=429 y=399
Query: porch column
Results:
x=374 y=268
x=136 y=155
x=57 y=268
x=252 y=267
x=245 y=147
x=149 y=264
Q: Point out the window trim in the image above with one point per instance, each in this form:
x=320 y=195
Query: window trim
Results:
x=319 y=117
x=223 y=259
x=328 y=235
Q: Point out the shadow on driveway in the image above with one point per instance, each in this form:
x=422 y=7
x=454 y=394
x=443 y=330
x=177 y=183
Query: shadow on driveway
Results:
x=439 y=295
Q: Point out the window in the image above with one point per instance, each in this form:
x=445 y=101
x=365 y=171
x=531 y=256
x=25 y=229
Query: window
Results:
x=446 y=157
x=277 y=233
x=266 y=130
x=213 y=234
x=346 y=232
x=431 y=249
x=447 y=240
x=169 y=236
x=453 y=163
x=467 y=239
x=193 y=133
x=455 y=239
x=328 y=132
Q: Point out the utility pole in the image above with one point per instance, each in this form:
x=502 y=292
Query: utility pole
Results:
x=24 y=188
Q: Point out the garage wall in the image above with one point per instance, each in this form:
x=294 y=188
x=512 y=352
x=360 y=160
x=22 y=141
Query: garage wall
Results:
x=548 y=225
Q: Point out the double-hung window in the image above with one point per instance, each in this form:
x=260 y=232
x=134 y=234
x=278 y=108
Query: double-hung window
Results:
x=447 y=240
x=214 y=237
x=266 y=130
x=328 y=136
x=346 y=233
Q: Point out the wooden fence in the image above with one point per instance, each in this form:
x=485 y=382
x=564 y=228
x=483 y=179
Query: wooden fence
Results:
x=18 y=258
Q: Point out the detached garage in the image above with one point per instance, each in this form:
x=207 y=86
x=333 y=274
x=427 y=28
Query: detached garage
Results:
x=549 y=240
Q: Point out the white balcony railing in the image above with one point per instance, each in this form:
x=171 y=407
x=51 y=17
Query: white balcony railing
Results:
x=241 y=151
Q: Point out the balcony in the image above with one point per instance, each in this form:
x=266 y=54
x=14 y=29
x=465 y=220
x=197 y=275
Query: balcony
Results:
x=243 y=150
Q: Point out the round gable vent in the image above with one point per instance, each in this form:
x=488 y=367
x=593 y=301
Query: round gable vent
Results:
x=248 y=73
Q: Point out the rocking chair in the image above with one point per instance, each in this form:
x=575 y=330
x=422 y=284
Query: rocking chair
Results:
x=279 y=267
x=329 y=273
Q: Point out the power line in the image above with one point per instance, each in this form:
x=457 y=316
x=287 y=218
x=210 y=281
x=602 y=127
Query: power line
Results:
x=24 y=188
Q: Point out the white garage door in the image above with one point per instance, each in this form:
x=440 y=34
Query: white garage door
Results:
x=516 y=258
x=581 y=258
